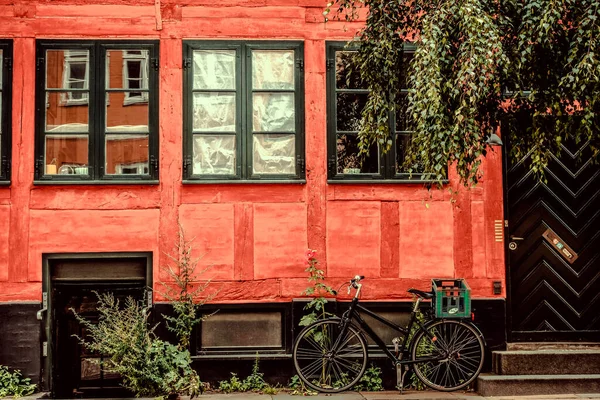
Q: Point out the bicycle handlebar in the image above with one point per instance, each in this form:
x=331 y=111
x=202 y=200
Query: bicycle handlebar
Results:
x=354 y=284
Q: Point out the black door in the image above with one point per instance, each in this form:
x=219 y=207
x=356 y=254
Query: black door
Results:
x=75 y=372
x=553 y=255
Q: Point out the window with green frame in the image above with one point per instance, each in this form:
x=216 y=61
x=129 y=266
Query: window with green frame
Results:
x=5 y=109
x=243 y=111
x=346 y=98
x=97 y=111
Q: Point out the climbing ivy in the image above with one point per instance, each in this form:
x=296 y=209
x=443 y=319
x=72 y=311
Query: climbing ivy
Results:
x=531 y=67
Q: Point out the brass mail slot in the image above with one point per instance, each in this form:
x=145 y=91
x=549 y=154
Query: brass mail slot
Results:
x=563 y=249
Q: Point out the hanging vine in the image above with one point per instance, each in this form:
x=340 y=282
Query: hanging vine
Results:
x=530 y=67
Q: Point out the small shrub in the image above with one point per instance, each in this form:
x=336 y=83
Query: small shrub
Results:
x=184 y=293
x=316 y=308
x=14 y=384
x=254 y=382
x=148 y=366
x=297 y=387
x=234 y=384
x=371 y=380
x=271 y=390
x=295 y=383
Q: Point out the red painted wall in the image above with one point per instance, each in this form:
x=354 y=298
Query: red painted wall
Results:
x=255 y=236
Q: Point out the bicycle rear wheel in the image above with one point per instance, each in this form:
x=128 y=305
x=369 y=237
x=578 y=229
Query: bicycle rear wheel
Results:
x=328 y=360
x=452 y=355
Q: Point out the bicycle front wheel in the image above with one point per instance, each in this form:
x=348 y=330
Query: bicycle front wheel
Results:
x=449 y=355
x=329 y=360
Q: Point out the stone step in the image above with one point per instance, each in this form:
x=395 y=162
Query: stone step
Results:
x=532 y=346
x=546 y=362
x=530 y=385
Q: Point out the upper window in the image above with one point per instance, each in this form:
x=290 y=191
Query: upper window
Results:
x=244 y=110
x=346 y=97
x=97 y=111
x=5 y=109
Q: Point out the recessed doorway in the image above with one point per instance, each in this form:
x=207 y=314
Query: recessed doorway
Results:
x=71 y=282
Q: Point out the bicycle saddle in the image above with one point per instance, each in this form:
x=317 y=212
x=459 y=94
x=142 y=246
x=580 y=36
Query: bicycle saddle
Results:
x=420 y=293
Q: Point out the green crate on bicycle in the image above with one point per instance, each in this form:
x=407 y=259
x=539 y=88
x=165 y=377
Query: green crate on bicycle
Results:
x=452 y=298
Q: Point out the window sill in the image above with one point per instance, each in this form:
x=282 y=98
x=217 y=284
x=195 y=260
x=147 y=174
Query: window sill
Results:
x=383 y=181
x=245 y=182
x=4 y=183
x=93 y=183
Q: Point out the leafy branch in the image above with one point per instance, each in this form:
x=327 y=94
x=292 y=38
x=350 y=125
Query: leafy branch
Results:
x=529 y=68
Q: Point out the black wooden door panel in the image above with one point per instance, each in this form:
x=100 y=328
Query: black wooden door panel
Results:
x=76 y=375
x=552 y=297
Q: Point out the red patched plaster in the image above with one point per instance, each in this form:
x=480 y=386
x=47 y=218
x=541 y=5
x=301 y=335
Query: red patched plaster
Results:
x=209 y=227
x=353 y=239
x=279 y=240
x=253 y=235
x=74 y=231
x=4 y=229
x=426 y=240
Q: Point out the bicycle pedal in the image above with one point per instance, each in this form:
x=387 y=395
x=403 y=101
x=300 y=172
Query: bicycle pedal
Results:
x=400 y=378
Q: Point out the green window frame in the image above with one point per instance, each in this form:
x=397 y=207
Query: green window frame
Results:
x=86 y=130
x=6 y=54
x=346 y=96
x=243 y=111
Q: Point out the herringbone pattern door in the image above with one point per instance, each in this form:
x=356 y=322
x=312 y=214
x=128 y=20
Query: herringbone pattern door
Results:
x=554 y=248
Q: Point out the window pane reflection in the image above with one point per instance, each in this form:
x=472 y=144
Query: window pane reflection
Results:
x=127 y=69
x=349 y=161
x=127 y=155
x=273 y=112
x=67 y=69
x=214 y=154
x=274 y=154
x=62 y=117
x=66 y=155
x=125 y=118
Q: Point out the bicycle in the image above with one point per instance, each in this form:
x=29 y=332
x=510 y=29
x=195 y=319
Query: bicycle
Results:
x=331 y=355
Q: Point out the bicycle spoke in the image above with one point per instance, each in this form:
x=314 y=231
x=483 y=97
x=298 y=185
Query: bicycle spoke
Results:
x=307 y=353
x=321 y=367
x=313 y=367
x=311 y=340
x=336 y=368
x=462 y=352
x=350 y=365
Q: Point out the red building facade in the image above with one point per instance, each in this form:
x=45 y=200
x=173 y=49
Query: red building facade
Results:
x=127 y=117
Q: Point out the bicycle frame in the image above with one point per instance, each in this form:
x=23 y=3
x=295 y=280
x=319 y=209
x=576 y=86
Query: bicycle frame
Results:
x=353 y=314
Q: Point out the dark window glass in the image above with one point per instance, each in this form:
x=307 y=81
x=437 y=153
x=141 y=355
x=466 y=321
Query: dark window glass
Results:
x=5 y=108
x=347 y=97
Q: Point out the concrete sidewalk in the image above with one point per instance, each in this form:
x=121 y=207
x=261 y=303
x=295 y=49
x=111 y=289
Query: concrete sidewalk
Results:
x=389 y=395
x=393 y=395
